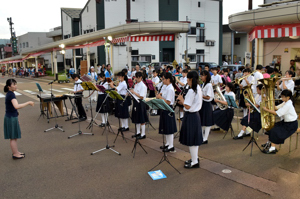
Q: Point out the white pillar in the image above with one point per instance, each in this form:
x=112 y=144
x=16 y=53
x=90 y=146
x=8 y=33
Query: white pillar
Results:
x=74 y=60
x=23 y=64
x=36 y=65
x=260 y=52
x=88 y=58
x=111 y=48
x=177 y=55
x=128 y=48
x=55 y=63
x=52 y=63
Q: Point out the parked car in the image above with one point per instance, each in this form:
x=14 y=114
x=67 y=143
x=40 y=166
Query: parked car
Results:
x=233 y=69
x=141 y=63
x=203 y=64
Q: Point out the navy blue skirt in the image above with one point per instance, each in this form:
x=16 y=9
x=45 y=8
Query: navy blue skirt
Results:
x=129 y=101
x=255 y=121
x=223 y=118
x=122 y=111
x=242 y=100
x=206 y=114
x=167 y=123
x=139 y=113
x=106 y=106
x=281 y=131
x=191 y=131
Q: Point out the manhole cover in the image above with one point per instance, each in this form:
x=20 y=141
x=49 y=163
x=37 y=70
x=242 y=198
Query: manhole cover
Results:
x=226 y=171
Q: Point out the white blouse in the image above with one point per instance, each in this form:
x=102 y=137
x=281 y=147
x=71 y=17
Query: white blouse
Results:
x=250 y=80
x=287 y=112
x=77 y=86
x=290 y=85
x=122 y=88
x=194 y=100
x=141 y=89
x=216 y=79
x=105 y=85
x=183 y=80
x=208 y=91
x=169 y=93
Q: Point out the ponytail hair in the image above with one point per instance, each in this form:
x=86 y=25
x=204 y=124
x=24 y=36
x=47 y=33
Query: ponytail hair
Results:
x=9 y=82
x=170 y=77
x=195 y=79
x=122 y=74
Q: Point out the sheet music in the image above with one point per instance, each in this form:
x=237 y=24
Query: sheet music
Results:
x=133 y=95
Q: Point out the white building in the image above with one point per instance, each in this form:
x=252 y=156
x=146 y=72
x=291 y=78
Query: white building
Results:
x=203 y=39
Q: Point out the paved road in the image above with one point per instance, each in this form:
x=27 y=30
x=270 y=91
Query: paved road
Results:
x=63 y=168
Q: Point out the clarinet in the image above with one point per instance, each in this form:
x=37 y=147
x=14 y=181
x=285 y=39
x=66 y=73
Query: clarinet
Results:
x=183 y=92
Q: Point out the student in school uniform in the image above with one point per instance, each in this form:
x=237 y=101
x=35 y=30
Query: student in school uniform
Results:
x=288 y=84
x=155 y=80
x=78 y=100
x=216 y=78
x=287 y=126
x=223 y=118
x=139 y=113
x=206 y=112
x=167 y=123
x=245 y=82
x=191 y=132
x=94 y=77
x=101 y=97
x=181 y=83
x=121 y=110
x=257 y=76
x=255 y=120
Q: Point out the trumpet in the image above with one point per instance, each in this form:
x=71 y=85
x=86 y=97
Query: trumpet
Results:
x=238 y=81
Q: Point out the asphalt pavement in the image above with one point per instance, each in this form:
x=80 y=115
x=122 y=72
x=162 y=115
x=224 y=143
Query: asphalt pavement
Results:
x=58 y=167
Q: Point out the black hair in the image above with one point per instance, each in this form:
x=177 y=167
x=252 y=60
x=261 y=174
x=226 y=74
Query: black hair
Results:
x=138 y=74
x=290 y=72
x=206 y=66
x=122 y=74
x=144 y=75
x=125 y=70
x=168 y=67
x=214 y=68
x=270 y=70
x=208 y=77
x=102 y=75
x=178 y=69
x=137 y=64
x=75 y=75
x=287 y=93
x=276 y=70
x=188 y=68
x=241 y=69
x=247 y=70
x=154 y=71
x=98 y=64
x=259 y=86
x=230 y=86
x=185 y=71
x=292 y=67
x=170 y=77
x=259 y=67
x=195 y=79
x=225 y=70
x=9 y=82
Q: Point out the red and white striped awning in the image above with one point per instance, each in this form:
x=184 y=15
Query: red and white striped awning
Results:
x=275 y=31
x=169 y=37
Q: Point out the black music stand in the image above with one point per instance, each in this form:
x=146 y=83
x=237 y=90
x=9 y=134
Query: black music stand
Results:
x=41 y=103
x=107 y=125
x=75 y=110
x=230 y=102
x=53 y=107
x=90 y=86
x=252 y=140
x=161 y=104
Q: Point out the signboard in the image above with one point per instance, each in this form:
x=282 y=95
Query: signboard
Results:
x=14 y=45
x=247 y=58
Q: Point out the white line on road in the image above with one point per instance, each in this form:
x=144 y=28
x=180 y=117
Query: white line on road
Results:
x=16 y=93
x=1 y=95
x=30 y=92
x=69 y=89
x=58 y=90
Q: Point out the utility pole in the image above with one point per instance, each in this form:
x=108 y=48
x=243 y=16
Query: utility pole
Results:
x=11 y=35
x=250 y=4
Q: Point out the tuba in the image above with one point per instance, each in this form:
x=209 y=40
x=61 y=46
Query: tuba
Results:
x=267 y=100
x=218 y=95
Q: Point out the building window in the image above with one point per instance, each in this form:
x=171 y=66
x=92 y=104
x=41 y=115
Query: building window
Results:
x=87 y=9
x=27 y=45
x=237 y=41
x=23 y=45
x=20 y=45
x=67 y=18
x=192 y=31
x=209 y=43
x=200 y=25
x=200 y=35
x=135 y=52
x=199 y=4
x=200 y=55
x=192 y=57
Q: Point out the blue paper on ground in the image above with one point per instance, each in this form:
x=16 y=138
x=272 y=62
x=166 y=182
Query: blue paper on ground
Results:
x=157 y=175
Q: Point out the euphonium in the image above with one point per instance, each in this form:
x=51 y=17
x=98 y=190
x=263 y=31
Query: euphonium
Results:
x=267 y=100
x=219 y=96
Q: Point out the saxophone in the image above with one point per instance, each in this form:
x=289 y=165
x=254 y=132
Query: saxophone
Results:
x=219 y=96
x=267 y=100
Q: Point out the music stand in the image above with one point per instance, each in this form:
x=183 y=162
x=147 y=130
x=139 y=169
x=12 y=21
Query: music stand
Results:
x=230 y=102
x=90 y=86
x=41 y=103
x=252 y=140
x=75 y=110
x=56 y=125
x=161 y=104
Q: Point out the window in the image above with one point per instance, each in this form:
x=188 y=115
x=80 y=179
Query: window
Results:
x=200 y=55
x=192 y=31
x=200 y=25
x=66 y=18
x=20 y=45
x=192 y=57
x=199 y=4
x=87 y=9
x=200 y=35
x=237 y=41
x=135 y=52
x=209 y=43
x=23 y=45
x=200 y=51
x=27 y=45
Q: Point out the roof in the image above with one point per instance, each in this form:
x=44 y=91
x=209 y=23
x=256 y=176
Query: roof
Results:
x=72 y=12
